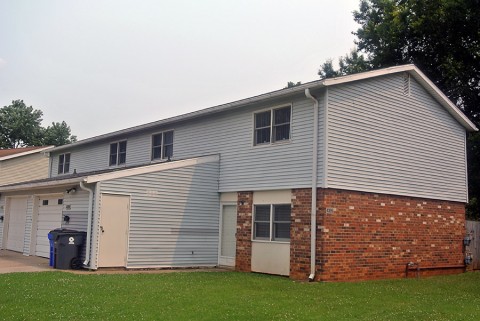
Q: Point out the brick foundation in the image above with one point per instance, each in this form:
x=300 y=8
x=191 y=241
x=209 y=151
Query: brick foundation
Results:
x=373 y=236
x=244 y=231
x=365 y=235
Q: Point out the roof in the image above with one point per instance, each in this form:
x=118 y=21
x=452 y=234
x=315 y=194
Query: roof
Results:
x=322 y=83
x=18 y=152
x=103 y=175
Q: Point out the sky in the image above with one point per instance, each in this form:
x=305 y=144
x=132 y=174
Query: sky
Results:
x=106 y=65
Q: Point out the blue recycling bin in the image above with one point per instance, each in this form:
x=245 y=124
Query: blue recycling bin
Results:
x=52 y=249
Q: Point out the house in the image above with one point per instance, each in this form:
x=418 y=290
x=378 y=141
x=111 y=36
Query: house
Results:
x=382 y=153
x=23 y=164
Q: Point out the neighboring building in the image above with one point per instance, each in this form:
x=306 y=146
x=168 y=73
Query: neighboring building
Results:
x=383 y=151
x=23 y=164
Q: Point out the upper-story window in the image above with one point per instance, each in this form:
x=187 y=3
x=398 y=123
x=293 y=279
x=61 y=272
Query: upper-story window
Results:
x=162 y=145
x=272 y=222
x=63 y=163
x=118 y=153
x=272 y=125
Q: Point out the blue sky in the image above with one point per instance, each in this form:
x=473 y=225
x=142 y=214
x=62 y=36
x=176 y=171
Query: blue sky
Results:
x=107 y=65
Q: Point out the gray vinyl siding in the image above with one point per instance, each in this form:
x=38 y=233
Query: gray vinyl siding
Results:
x=381 y=140
x=174 y=216
x=230 y=134
x=321 y=139
x=76 y=207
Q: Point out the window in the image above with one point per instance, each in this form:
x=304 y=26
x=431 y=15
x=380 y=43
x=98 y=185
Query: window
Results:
x=63 y=163
x=273 y=125
x=162 y=145
x=118 y=153
x=272 y=222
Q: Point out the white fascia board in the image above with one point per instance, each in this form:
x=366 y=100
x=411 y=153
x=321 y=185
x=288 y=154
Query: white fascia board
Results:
x=421 y=78
x=152 y=168
x=30 y=186
x=33 y=151
x=443 y=99
x=368 y=74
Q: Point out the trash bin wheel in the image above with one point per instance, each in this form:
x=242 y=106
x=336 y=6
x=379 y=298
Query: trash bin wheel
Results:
x=76 y=263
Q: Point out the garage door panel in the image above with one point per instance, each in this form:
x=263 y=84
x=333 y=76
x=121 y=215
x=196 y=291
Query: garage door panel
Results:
x=49 y=218
x=16 y=225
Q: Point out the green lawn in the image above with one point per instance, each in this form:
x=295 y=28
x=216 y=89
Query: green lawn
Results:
x=233 y=296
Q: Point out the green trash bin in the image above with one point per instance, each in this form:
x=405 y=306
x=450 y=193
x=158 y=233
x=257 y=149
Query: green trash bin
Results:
x=67 y=247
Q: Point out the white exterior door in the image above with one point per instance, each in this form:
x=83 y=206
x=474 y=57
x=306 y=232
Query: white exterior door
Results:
x=113 y=238
x=49 y=218
x=228 y=235
x=16 y=224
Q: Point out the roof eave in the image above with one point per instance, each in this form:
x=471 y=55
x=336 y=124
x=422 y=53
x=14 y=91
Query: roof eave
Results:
x=40 y=185
x=38 y=150
x=420 y=77
x=200 y=113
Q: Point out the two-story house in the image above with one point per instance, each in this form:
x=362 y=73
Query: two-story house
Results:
x=381 y=152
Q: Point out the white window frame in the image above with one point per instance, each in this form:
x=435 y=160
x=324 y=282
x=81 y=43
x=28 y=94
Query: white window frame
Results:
x=118 y=153
x=271 y=237
x=63 y=163
x=272 y=109
x=161 y=158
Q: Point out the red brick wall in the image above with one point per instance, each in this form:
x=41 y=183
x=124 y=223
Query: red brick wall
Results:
x=372 y=236
x=244 y=231
x=300 y=234
x=366 y=236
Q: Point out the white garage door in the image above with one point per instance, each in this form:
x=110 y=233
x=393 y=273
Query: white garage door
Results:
x=16 y=224
x=49 y=218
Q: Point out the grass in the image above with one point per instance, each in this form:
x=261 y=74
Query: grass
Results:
x=233 y=296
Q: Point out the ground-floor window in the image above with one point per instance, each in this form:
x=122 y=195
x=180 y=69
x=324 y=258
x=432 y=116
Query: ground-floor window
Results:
x=272 y=222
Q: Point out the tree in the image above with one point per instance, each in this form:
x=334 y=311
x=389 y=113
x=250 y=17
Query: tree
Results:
x=440 y=37
x=291 y=84
x=20 y=126
x=58 y=134
x=349 y=64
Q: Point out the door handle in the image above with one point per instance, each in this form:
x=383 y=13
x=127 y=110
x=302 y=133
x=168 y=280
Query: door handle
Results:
x=101 y=229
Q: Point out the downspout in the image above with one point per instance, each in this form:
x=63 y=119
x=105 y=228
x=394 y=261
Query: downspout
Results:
x=89 y=224
x=313 y=223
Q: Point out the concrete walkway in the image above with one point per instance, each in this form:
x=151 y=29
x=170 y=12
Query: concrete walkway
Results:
x=17 y=262
x=11 y=262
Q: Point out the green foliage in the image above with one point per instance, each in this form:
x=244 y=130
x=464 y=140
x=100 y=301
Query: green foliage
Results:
x=233 y=296
x=440 y=37
x=291 y=84
x=473 y=154
x=20 y=126
x=58 y=134
x=351 y=63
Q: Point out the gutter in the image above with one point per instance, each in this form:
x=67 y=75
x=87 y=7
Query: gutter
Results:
x=313 y=223
x=89 y=224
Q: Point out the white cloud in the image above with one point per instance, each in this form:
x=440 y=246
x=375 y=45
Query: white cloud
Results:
x=2 y=62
